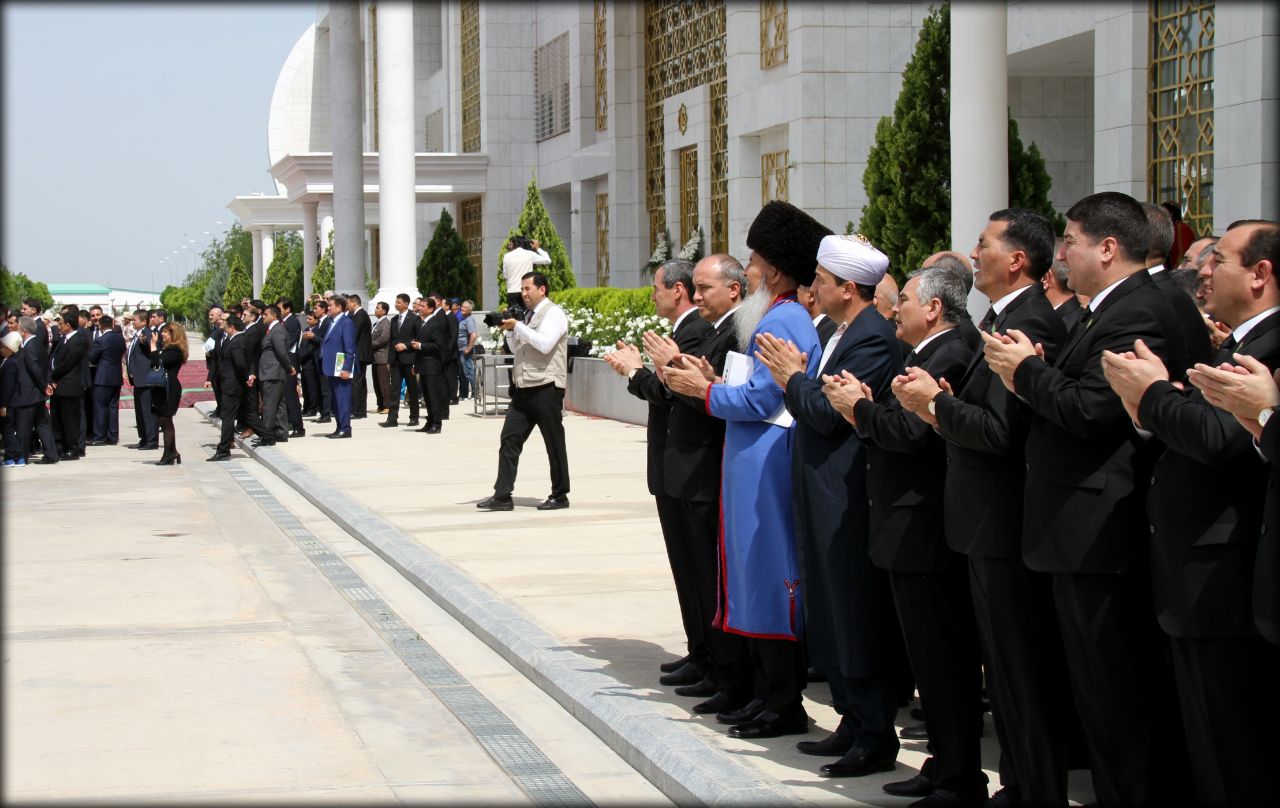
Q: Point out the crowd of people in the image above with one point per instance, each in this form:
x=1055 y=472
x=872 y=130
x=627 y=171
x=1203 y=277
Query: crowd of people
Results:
x=1071 y=506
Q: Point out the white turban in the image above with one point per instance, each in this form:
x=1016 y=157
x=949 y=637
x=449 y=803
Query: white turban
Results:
x=12 y=341
x=852 y=258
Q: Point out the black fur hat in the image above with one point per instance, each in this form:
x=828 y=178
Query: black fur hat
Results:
x=788 y=238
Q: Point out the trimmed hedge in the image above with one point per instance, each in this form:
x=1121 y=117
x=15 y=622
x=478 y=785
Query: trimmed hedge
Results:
x=607 y=301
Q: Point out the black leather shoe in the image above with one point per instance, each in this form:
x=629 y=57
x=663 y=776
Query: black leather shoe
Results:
x=257 y=443
x=389 y=423
x=425 y=427
x=946 y=798
x=219 y=456
x=215 y=414
x=412 y=422
x=359 y=415
x=915 y=732
x=918 y=786
x=149 y=447
x=453 y=401
x=137 y=445
x=743 y=714
x=434 y=429
x=298 y=433
x=69 y=456
x=555 y=504
x=1004 y=798
x=834 y=745
x=814 y=675
x=700 y=690
x=495 y=504
x=772 y=725
x=859 y=763
x=45 y=461
x=338 y=435
x=719 y=703
x=324 y=419
x=97 y=443
x=675 y=664
x=689 y=674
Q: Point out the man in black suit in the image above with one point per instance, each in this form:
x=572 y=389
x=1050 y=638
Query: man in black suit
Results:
x=254 y=332
x=271 y=370
x=137 y=364
x=676 y=469
x=233 y=365
x=364 y=355
x=323 y=323
x=985 y=427
x=66 y=386
x=293 y=337
x=401 y=359
x=451 y=358
x=849 y=618
x=433 y=345
x=31 y=416
x=1206 y=506
x=958 y=265
x=905 y=473
x=1064 y=302
x=1193 y=332
x=1083 y=519
x=307 y=366
x=90 y=323
x=106 y=354
x=216 y=334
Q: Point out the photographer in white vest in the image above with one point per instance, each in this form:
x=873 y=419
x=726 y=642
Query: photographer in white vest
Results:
x=540 y=345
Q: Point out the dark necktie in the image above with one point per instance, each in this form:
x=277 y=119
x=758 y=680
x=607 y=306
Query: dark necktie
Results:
x=910 y=360
x=988 y=321
x=528 y=317
x=1226 y=349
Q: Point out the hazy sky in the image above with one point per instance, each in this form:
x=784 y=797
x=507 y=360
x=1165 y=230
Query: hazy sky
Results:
x=128 y=126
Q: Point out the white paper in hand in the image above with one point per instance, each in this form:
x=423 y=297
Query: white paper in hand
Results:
x=738 y=368
x=208 y=345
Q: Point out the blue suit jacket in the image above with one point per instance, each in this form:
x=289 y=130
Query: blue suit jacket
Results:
x=106 y=352
x=341 y=337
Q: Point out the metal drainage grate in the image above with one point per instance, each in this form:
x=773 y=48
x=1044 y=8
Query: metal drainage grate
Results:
x=510 y=748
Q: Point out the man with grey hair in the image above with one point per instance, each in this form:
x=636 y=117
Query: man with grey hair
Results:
x=959 y=265
x=1191 y=322
x=1054 y=282
x=906 y=462
x=31 y=416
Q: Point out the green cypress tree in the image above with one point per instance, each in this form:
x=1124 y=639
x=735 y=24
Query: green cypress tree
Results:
x=445 y=266
x=239 y=283
x=322 y=275
x=908 y=174
x=535 y=223
x=284 y=276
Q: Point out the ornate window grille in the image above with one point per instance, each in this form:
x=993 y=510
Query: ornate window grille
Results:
x=470 y=227
x=773 y=33
x=684 y=48
x=602 y=239
x=551 y=88
x=688 y=193
x=719 y=168
x=1180 y=109
x=773 y=176
x=470 y=11
x=602 y=67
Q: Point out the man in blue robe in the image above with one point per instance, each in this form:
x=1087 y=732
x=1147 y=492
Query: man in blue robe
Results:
x=760 y=596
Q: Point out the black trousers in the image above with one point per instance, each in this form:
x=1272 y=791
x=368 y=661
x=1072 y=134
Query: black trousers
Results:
x=230 y=406
x=730 y=657
x=89 y=410
x=778 y=667
x=867 y=707
x=106 y=417
x=34 y=419
x=144 y=419
x=310 y=387
x=436 y=395
x=360 y=391
x=381 y=375
x=539 y=406
x=326 y=393
x=9 y=434
x=68 y=418
x=292 y=406
x=402 y=373
x=1027 y=678
x=1230 y=709
x=451 y=380
x=936 y=613
x=676 y=532
x=274 y=413
x=1123 y=684
x=216 y=387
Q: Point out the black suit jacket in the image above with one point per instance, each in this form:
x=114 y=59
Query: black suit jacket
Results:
x=68 y=361
x=406 y=333
x=211 y=357
x=234 y=364
x=1266 y=594
x=253 y=336
x=1191 y=328
x=1084 y=508
x=906 y=470
x=9 y=371
x=452 y=354
x=680 y=453
x=1070 y=312
x=106 y=353
x=33 y=376
x=826 y=327
x=985 y=427
x=364 y=337
x=433 y=334
x=293 y=330
x=1206 y=504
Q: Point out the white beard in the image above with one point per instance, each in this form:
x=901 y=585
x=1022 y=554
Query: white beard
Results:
x=749 y=315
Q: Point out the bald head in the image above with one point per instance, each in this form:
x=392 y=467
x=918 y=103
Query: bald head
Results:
x=957 y=263
x=1191 y=257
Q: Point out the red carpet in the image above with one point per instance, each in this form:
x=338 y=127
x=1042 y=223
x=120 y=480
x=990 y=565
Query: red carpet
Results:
x=191 y=375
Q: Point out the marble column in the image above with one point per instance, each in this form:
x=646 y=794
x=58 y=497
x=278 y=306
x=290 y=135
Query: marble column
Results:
x=256 y=239
x=309 y=210
x=979 y=124
x=348 y=145
x=397 y=200
x=267 y=236
x=326 y=225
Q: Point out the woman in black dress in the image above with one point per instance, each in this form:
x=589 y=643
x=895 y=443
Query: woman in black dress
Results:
x=172 y=358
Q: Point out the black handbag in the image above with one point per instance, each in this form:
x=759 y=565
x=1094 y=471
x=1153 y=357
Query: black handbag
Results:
x=156 y=377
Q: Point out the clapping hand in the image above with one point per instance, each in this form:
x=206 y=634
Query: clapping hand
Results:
x=1004 y=352
x=690 y=376
x=1131 y=373
x=916 y=388
x=625 y=359
x=1243 y=390
x=662 y=350
x=783 y=359
x=845 y=391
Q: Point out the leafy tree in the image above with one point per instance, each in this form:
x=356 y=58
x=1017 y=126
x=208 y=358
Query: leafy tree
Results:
x=908 y=174
x=16 y=287
x=284 y=276
x=184 y=303
x=239 y=284
x=445 y=266
x=322 y=275
x=215 y=288
x=535 y=223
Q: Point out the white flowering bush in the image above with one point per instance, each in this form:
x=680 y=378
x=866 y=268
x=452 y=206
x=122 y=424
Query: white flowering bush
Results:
x=604 y=331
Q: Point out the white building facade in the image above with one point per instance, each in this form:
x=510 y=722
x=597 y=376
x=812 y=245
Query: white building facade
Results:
x=645 y=117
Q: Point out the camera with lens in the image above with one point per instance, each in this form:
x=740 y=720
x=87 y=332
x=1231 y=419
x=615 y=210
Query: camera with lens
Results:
x=493 y=319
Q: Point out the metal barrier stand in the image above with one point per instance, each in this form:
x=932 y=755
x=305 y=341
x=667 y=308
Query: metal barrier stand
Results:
x=493 y=383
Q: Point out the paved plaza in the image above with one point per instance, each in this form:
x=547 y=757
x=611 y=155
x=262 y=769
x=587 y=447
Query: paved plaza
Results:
x=191 y=638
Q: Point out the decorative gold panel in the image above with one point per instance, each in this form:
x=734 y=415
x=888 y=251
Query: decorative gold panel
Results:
x=1180 y=109
x=773 y=176
x=719 y=167
x=551 y=88
x=470 y=10
x=688 y=193
x=684 y=48
x=602 y=239
x=470 y=227
x=773 y=33
x=602 y=69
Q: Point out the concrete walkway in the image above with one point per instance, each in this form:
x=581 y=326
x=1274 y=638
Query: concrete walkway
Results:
x=183 y=633
x=580 y=600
